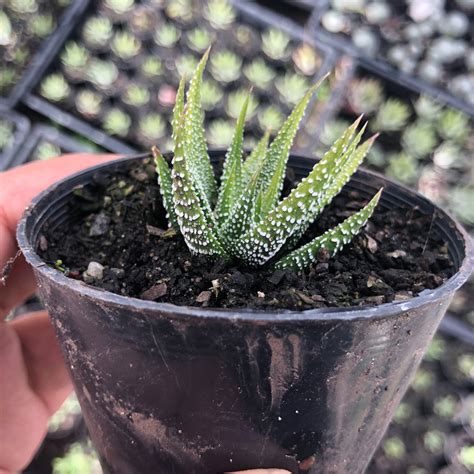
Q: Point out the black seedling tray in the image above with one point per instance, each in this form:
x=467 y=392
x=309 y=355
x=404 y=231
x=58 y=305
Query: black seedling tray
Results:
x=45 y=55
x=250 y=14
x=379 y=65
x=21 y=127
x=45 y=133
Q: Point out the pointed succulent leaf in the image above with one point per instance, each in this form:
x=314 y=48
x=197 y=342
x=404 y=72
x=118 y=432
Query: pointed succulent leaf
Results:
x=253 y=161
x=273 y=173
x=231 y=181
x=194 y=216
x=165 y=183
x=332 y=240
x=194 y=138
x=178 y=106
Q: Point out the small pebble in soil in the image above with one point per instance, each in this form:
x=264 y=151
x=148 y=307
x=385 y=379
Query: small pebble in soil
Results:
x=95 y=271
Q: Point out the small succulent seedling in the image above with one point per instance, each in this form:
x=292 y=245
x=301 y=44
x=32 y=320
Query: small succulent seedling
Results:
x=152 y=127
x=180 y=10
x=102 y=73
x=75 y=57
x=7 y=131
x=88 y=103
x=220 y=133
x=219 y=13
x=403 y=167
x=391 y=116
x=427 y=108
x=419 y=139
x=42 y=25
x=245 y=220
x=125 y=45
x=8 y=78
x=199 y=39
x=120 y=7
x=235 y=102
x=151 y=67
x=365 y=95
x=167 y=35
x=136 y=95
x=55 y=88
x=23 y=7
x=394 y=448
x=291 y=87
x=117 y=122
x=211 y=94
x=306 y=59
x=276 y=44
x=45 y=151
x=259 y=73
x=97 y=31
x=186 y=64
x=453 y=125
x=7 y=36
x=270 y=118
x=225 y=66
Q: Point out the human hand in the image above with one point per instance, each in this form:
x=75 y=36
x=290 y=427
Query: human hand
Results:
x=33 y=378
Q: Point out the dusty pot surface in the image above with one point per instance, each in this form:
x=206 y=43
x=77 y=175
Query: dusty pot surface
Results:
x=175 y=389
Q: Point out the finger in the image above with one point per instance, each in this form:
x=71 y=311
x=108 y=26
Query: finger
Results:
x=17 y=188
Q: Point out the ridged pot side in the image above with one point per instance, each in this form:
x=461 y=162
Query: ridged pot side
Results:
x=187 y=390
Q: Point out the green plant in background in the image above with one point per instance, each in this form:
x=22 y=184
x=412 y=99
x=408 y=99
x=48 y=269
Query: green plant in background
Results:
x=151 y=67
x=270 y=118
x=427 y=109
x=23 y=7
x=8 y=78
x=291 y=87
x=446 y=406
x=42 y=25
x=419 y=139
x=276 y=44
x=125 y=45
x=365 y=95
x=403 y=167
x=333 y=130
x=97 y=31
x=244 y=220
x=136 y=95
x=219 y=13
x=394 y=448
x=120 y=7
x=306 y=59
x=117 y=122
x=75 y=58
x=64 y=417
x=259 y=73
x=199 y=39
x=46 y=150
x=458 y=198
x=391 y=116
x=186 y=64
x=7 y=37
x=453 y=125
x=7 y=130
x=220 y=133
x=225 y=66
x=88 y=103
x=78 y=459
x=433 y=441
x=102 y=73
x=55 y=88
x=180 y=10
x=211 y=94
x=235 y=102
x=466 y=457
x=167 y=35
x=152 y=127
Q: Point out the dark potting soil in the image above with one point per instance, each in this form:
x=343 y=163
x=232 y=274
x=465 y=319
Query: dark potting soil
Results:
x=118 y=222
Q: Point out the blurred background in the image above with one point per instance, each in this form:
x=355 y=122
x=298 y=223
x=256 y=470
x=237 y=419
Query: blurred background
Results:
x=101 y=75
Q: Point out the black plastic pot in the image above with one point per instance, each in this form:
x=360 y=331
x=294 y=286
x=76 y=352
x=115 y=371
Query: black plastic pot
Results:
x=171 y=389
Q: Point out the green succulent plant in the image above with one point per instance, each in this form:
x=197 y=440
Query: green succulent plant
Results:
x=403 y=167
x=117 y=122
x=97 y=31
x=120 y=7
x=225 y=66
x=259 y=73
x=152 y=127
x=419 y=139
x=42 y=25
x=199 y=39
x=428 y=109
x=102 y=73
x=466 y=457
x=306 y=59
x=8 y=77
x=151 y=67
x=167 y=35
x=391 y=116
x=55 y=87
x=220 y=133
x=235 y=102
x=88 y=103
x=453 y=125
x=69 y=408
x=219 y=13
x=333 y=130
x=136 y=95
x=365 y=95
x=433 y=441
x=211 y=94
x=458 y=199
x=244 y=219
x=394 y=448
x=7 y=130
x=186 y=64
x=7 y=36
x=23 y=7
x=270 y=118
x=125 y=45
x=292 y=87
x=77 y=459
x=46 y=150
x=74 y=57
x=276 y=44
x=180 y=10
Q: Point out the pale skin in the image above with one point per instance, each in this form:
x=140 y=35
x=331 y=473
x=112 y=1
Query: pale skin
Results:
x=34 y=381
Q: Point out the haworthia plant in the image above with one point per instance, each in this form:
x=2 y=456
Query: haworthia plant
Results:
x=245 y=221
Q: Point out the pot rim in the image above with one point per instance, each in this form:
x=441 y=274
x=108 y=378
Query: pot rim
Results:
x=242 y=314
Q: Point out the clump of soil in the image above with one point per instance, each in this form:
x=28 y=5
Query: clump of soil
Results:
x=118 y=222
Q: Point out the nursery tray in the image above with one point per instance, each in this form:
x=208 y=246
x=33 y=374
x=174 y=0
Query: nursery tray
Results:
x=20 y=128
x=45 y=134
x=45 y=55
x=379 y=65
x=250 y=14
